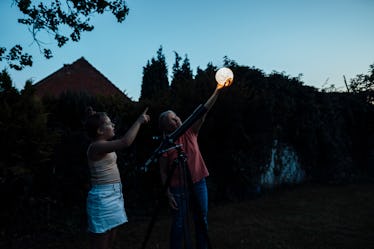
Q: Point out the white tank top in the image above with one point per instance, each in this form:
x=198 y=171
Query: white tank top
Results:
x=105 y=170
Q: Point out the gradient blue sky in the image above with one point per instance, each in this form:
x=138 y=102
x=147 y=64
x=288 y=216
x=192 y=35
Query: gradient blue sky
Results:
x=321 y=39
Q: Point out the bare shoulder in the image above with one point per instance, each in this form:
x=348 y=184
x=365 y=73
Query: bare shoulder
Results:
x=95 y=150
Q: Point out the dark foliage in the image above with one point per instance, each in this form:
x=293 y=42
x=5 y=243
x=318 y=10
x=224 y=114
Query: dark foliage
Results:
x=363 y=85
x=44 y=174
x=155 y=77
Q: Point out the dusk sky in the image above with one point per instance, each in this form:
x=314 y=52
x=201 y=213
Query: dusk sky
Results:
x=320 y=39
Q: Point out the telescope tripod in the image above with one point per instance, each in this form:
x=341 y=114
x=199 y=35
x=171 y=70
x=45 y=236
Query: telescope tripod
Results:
x=187 y=197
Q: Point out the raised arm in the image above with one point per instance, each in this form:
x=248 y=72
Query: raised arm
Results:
x=130 y=135
x=208 y=105
x=123 y=142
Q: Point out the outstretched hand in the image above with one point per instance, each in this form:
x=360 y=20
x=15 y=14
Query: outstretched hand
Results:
x=144 y=117
x=227 y=84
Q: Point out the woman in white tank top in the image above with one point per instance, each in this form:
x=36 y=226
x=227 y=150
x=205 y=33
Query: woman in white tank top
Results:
x=105 y=204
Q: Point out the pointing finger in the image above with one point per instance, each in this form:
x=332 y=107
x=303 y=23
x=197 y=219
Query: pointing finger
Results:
x=145 y=111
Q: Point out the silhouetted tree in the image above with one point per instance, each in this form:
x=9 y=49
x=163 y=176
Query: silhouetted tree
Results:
x=155 y=77
x=26 y=151
x=58 y=18
x=23 y=125
x=182 y=84
x=205 y=81
x=182 y=74
x=363 y=85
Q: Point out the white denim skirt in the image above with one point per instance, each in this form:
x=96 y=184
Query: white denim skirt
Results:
x=105 y=207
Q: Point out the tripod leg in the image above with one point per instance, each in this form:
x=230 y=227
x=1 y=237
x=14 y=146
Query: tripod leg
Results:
x=150 y=226
x=187 y=227
x=157 y=209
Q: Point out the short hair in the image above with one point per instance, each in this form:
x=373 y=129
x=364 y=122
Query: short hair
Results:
x=161 y=119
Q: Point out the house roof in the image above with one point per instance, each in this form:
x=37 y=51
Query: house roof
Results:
x=80 y=76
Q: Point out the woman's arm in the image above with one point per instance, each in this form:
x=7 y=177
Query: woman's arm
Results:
x=102 y=147
x=208 y=105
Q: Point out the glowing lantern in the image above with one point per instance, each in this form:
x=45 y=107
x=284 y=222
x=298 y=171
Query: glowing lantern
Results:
x=224 y=77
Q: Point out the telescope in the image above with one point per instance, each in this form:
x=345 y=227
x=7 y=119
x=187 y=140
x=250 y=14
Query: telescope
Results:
x=224 y=77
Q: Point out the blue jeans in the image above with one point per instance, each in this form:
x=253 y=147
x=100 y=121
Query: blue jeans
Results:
x=179 y=227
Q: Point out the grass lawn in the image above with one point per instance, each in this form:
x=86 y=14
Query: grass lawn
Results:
x=306 y=217
x=309 y=217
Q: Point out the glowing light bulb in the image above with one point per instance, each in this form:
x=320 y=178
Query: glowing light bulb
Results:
x=224 y=76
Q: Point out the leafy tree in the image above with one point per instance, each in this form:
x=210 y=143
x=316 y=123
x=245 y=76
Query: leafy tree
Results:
x=227 y=62
x=27 y=146
x=24 y=132
x=182 y=84
x=182 y=74
x=204 y=81
x=364 y=84
x=64 y=20
x=155 y=77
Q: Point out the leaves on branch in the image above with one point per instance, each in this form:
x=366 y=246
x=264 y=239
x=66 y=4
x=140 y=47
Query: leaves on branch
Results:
x=16 y=58
x=63 y=20
x=363 y=85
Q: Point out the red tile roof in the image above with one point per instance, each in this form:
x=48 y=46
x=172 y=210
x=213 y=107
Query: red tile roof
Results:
x=80 y=76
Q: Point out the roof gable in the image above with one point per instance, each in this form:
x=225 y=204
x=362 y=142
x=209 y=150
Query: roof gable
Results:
x=80 y=76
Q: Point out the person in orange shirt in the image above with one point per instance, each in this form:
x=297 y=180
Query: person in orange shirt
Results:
x=176 y=191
